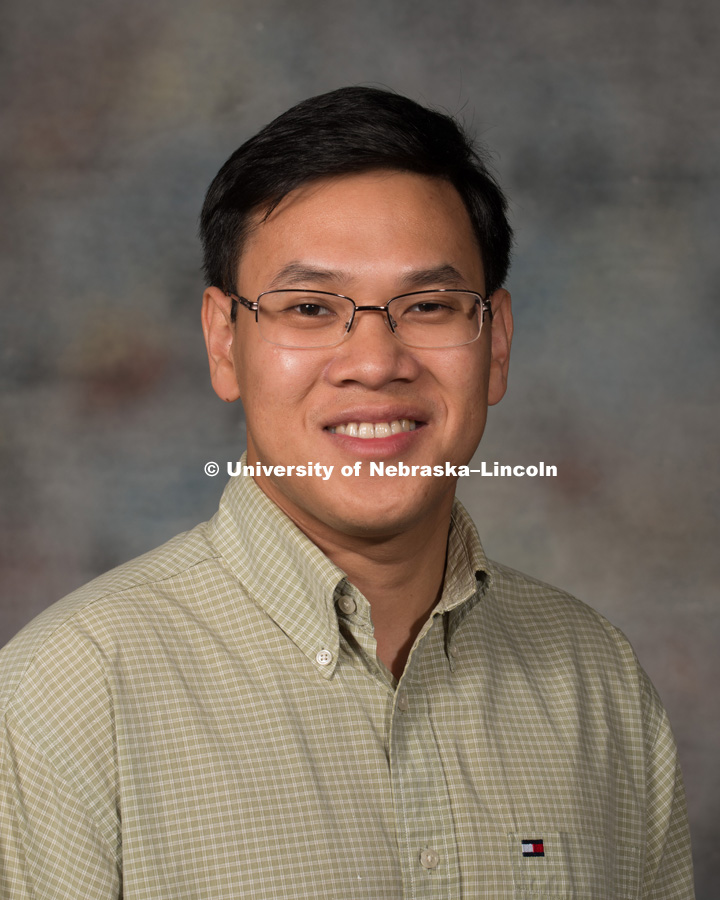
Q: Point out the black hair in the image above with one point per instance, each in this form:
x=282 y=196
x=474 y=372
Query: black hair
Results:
x=349 y=131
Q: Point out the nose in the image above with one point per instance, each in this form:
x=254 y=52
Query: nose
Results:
x=371 y=355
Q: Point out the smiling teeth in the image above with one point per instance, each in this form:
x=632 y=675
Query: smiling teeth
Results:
x=374 y=430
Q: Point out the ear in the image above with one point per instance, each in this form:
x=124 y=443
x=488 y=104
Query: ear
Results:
x=219 y=331
x=502 y=332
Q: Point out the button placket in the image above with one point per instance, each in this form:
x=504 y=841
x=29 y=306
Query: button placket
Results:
x=423 y=807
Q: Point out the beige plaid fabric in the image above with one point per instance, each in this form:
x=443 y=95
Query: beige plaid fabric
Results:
x=210 y=721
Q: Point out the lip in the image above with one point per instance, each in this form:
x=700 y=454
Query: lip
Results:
x=376 y=414
x=374 y=448
x=393 y=445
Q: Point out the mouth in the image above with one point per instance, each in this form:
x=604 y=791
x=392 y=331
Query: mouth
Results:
x=369 y=430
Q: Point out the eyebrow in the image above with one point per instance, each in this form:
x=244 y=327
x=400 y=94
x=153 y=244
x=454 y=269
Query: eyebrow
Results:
x=436 y=276
x=297 y=273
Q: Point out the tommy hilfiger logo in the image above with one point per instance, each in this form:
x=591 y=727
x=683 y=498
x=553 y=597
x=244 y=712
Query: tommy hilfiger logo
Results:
x=533 y=848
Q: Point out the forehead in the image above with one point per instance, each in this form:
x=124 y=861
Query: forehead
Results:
x=379 y=224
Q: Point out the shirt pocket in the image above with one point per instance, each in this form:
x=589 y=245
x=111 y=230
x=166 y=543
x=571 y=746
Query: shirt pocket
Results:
x=559 y=865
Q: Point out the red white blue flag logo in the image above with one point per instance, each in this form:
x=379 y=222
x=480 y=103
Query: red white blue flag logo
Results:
x=533 y=848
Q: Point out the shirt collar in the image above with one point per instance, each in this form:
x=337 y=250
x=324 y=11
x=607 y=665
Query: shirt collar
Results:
x=466 y=571
x=283 y=571
x=297 y=585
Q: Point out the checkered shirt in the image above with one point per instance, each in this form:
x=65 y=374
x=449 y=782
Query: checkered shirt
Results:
x=211 y=721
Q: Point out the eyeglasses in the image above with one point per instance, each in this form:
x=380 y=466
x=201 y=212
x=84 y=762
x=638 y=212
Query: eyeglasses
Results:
x=305 y=319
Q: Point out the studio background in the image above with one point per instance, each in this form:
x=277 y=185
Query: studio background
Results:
x=603 y=121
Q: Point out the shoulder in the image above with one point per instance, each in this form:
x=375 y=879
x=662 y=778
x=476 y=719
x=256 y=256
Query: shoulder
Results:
x=77 y=634
x=544 y=641
x=547 y=611
x=559 y=638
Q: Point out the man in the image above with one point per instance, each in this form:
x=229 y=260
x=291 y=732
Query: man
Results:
x=328 y=690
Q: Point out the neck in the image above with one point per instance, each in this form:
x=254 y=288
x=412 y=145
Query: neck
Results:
x=400 y=574
x=402 y=579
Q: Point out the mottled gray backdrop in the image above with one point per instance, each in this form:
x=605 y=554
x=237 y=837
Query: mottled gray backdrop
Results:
x=603 y=118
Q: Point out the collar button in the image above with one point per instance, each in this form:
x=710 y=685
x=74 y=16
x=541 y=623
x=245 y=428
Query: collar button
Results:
x=324 y=658
x=346 y=605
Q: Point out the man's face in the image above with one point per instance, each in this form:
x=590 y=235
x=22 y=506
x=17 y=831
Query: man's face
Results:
x=369 y=237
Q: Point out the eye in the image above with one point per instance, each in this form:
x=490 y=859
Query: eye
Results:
x=429 y=306
x=431 y=309
x=311 y=310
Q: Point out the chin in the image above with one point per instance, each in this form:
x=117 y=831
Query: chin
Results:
x=378 y=514
x=371 y=526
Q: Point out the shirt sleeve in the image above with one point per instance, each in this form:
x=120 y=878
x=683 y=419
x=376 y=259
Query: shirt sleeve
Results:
x=668 y=872
x=50 y=847
x=59 y=809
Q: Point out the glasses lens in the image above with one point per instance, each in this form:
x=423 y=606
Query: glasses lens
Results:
x=303 y=319
x=436 y=318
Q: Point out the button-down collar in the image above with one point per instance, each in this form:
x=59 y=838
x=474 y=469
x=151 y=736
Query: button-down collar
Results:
x=283 y=571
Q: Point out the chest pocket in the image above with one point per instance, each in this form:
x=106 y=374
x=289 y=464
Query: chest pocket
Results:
x=562 y=866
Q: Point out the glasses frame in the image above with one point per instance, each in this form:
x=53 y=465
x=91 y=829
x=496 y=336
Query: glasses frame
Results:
x=482 y=302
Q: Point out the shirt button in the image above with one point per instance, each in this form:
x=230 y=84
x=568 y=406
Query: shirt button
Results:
x=324 y=657
x=347 y=605
x=429 y=859
x=454 y=651
x=402 y=701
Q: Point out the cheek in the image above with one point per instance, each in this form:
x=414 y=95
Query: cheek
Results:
x=273 y=377
x=465 y=377
x=466 y=391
